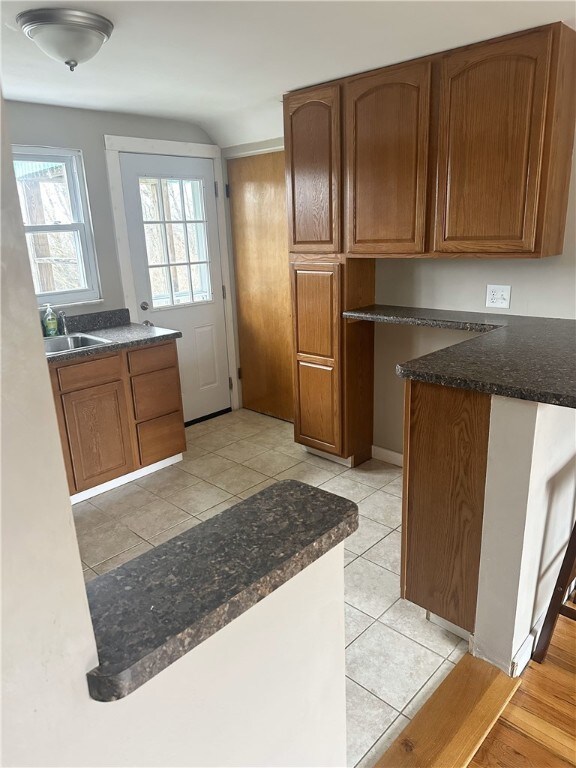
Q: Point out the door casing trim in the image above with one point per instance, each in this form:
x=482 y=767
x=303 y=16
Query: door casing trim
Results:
x=114 y=145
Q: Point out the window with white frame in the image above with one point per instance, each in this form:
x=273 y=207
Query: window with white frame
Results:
x=54 y=204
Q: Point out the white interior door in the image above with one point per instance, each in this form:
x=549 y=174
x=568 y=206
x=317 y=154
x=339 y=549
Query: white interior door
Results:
x=170 y=206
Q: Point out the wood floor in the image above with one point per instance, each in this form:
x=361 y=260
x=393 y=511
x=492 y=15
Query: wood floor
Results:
x=537 y=729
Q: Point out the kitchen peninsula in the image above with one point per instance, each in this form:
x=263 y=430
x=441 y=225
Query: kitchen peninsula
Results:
x=489 y=461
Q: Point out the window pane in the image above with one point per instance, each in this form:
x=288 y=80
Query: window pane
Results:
x=194 y=199
x=181 y=285
x=150 y=202
x=43 y=189
x=56 y=259
x=201 y=282
x=160 y=285
x=176 y=242
x=154 y=244
x=197 y=242
x=172 y=200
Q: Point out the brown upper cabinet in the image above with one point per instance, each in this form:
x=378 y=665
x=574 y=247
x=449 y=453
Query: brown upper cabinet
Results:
x=492 y=118
x=312 y=145
x=464 y=153
x=387 y=127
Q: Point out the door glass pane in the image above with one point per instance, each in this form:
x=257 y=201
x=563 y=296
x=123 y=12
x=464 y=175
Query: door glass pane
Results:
x=181 y=285
x=178 y=236
x=155 y=248
x=197 y=242
x=201 y=282
x=176 y=243
x=43 y=189
x=149 y=191
x=160 y=287
x=194 y=199
x=172 y=200
x=56 y=260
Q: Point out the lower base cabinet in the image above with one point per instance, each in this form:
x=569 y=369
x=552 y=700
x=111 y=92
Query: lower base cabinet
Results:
x=118 y=412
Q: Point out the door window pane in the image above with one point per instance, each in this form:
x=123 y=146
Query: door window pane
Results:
x=160 y=287
x=194 y=199
x=176 y=244
x=149 y=196
x=197 y=242
x=155 y=249
x=44 y=192
x=181 y=285
x=172 y=199
x=56 y=259
x=201 y=282
x=178 y=237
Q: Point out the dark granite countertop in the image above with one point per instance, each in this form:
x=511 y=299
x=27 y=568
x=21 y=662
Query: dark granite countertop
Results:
x=120 y=337
x=157 y=607
x=530 y=358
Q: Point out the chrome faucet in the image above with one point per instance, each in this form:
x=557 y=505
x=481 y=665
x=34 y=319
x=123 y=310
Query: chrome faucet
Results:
x=62 y=320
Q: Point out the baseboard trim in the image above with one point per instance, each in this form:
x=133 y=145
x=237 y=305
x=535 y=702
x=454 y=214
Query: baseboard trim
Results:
x=323 y=455
x=391 y=457
x=118 y=481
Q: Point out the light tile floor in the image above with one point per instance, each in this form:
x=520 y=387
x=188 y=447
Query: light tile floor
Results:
x=395 y=658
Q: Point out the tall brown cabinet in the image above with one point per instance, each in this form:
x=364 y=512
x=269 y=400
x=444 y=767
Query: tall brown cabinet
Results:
x=463 y=154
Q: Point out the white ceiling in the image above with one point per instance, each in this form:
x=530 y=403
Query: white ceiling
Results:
x=225 y=65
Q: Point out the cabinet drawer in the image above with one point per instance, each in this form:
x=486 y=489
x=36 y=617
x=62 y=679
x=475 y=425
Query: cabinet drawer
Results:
x=160 y=438
x=90 y=372
x=152 y=358
x=156 y=393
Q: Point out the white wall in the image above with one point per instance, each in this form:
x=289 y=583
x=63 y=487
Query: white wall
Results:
x=43 y=125
x=540 y=287
x=267 y=690
x=528 y=516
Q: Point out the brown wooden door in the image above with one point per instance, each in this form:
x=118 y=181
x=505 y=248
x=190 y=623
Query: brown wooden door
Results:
x=312 y=141
x=259 y=226
x=98 y=433
x=387 y=129
x=491 y=127
x=316 y=297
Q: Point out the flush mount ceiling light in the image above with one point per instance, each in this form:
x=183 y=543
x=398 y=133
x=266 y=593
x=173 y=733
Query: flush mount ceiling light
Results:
x=64 y=34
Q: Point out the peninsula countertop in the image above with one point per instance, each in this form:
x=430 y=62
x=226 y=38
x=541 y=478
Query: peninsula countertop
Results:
x=154 y=609
x=529 y=358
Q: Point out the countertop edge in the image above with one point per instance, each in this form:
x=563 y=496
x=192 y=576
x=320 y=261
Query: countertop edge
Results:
x=454 y=325
x=112 y=686
x=501 y=390
x=113 y=346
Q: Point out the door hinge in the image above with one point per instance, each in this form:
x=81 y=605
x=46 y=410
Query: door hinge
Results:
x=223 y=291
x=239 y=373
x=227 y=190
x=216 y=188
x=230 y=384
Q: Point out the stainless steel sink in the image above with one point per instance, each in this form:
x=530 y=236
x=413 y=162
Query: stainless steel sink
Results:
x=57 y=345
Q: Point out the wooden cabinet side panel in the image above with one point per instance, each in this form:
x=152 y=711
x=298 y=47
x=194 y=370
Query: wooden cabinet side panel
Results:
x=559 y=143
x=492 y=115
x=312 y=146
x=446 y=473
x=99 y=435
x=387 y=128
x=62 y=430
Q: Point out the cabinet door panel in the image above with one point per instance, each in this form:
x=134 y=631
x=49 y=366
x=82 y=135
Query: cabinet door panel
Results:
x=316 y=305
x=160 y=438
x=387 y=128
x=492 y=112
x=312 y=137
x=318 y=406
x=98 y=431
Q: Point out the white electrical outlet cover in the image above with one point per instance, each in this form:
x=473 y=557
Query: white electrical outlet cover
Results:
x=498 y=296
